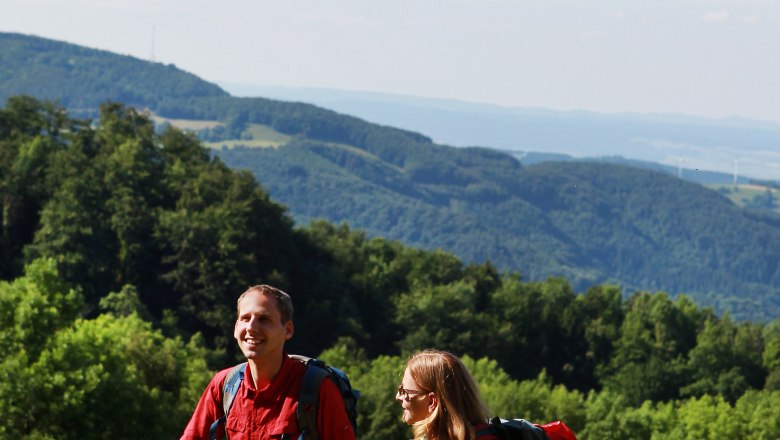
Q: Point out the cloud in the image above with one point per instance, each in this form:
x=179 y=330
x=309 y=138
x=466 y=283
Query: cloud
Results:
x=715 y=16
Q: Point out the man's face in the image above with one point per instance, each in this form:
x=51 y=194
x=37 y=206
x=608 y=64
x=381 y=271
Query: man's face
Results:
x=259 y=330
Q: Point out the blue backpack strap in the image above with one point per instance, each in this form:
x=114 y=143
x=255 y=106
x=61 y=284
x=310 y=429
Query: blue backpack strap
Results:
x=229 y=390
x=308 y=399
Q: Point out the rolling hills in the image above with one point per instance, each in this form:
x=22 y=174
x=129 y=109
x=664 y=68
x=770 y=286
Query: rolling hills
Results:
x=679 y=141
x=589 y=222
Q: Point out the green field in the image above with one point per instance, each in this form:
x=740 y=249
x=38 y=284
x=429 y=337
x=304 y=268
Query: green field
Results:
x=753 y=196
x=257 y=136
x=184 y=124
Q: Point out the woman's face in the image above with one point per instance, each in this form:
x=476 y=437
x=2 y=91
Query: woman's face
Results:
x=416 y=403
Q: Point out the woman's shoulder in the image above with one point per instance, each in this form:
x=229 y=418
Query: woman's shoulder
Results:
x=483 y=432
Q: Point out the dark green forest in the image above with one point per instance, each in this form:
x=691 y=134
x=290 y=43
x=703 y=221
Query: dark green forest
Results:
x=124 y=250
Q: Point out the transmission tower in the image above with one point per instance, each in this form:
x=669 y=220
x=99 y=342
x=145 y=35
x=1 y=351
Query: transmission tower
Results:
x=153 y=37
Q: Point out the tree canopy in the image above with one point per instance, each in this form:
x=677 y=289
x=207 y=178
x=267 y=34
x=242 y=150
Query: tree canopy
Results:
x=124 y=251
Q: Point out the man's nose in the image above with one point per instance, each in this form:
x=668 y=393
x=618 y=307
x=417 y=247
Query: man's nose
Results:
x=252 y=323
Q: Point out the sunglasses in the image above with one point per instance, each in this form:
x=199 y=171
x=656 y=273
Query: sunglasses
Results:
x=408 y=394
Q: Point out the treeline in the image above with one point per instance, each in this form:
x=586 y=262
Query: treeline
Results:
x=123 y=252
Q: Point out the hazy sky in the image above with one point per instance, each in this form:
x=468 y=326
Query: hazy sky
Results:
x=712 y=58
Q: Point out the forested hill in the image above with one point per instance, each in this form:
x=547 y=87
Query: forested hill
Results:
x=81 y=78
x=590 y=223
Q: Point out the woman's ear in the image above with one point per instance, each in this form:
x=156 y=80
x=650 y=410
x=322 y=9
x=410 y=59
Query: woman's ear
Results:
x=434 y=402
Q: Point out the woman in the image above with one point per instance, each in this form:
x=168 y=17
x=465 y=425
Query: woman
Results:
x=440 y=400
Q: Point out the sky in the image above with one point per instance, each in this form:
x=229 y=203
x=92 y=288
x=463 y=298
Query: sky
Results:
x=714 y=58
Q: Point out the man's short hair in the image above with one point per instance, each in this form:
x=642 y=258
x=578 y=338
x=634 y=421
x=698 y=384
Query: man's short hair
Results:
x=283 y=300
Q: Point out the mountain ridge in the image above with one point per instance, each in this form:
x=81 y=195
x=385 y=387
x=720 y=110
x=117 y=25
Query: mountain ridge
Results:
x=566 y=220
x=90 y=76
x=670 y=139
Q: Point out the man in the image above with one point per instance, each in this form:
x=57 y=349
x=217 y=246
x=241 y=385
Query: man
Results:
x=264 y=406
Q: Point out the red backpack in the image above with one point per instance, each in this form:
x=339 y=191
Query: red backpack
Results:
x=557 y=430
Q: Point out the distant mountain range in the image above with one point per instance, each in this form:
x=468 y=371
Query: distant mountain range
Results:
x=588 y=222
x=696 y=144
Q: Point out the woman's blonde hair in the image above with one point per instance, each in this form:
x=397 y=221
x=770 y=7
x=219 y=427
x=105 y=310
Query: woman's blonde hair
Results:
x=459 y=403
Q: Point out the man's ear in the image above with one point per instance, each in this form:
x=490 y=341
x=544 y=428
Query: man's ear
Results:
x=290 y=330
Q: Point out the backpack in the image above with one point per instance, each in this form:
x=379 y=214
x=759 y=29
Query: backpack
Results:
x=519 y=429
x=308 y=399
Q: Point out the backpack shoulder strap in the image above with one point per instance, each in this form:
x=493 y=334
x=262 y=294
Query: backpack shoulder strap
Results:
x=517 y=429
x=308 y=399
x=229 y=389
x=492 y=428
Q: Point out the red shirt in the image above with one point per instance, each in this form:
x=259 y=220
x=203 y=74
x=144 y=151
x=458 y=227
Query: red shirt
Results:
x=270 y=412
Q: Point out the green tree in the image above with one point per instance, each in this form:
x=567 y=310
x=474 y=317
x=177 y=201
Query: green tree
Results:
x=516 y=308
x=98 y=222
x=537 y=326
x=537 y=400
x=31 y=136
x=603 y=309
x=379 y=414
x=726 y=360
x=368 y=273
x=501 y=393
x=771 y=355
x=605 y=418
x=35 y=306
x=444 y=317
x=105 y=377
x=757 y=411
x=649 y=362
x=707 y=417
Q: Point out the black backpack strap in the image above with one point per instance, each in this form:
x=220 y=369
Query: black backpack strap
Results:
x=493 y=428
x=308 y=399
x=517 y=429
x=229 y=389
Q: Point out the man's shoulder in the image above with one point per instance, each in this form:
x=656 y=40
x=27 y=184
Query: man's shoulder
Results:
x=227 y=370
x=218 y=380
x=224 y=372
x=295 y=367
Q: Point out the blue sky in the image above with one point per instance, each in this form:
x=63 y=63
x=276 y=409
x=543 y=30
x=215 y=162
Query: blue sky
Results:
x=711 y=58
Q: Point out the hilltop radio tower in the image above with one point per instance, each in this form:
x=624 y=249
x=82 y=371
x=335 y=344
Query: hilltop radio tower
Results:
x=736 y=162
x=153 y=37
